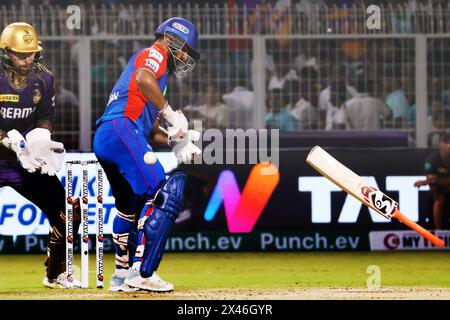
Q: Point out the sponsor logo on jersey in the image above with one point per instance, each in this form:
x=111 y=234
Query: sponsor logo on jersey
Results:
x=156 y=55
x=36 y=96
x=152 y=64
x=16 y=113
x=180 y=27
x=9 y=98
x=442 y=170
x=113 y=96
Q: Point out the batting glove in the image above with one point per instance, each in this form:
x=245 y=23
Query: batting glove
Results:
x=177 y=124
x=185 y=150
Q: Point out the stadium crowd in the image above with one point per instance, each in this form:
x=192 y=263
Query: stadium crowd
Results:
x=311 y=84
x=239 y=2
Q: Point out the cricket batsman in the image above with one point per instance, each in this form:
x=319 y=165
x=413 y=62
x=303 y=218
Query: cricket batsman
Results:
x=136 y=102
x=29 y=158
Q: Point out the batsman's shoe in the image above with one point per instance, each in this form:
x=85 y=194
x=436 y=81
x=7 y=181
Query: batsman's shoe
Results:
x=117 y=283
x=61 y=282
x=154 y=283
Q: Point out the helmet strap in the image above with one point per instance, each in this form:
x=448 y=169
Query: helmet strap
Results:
x=6 y=59
x=171 y=63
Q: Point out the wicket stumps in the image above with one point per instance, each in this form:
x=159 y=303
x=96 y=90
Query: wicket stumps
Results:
x=84 y=222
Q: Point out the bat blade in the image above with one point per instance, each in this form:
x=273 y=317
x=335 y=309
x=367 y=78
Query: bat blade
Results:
x=350 y=182
x=356 y=186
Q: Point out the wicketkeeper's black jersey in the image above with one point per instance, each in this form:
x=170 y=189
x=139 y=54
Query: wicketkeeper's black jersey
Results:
x=23 y=108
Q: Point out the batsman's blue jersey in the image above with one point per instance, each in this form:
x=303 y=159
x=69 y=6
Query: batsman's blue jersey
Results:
x=126 y=100
x=121 y=138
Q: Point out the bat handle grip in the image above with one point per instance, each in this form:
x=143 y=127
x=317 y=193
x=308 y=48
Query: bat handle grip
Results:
x=423 y=232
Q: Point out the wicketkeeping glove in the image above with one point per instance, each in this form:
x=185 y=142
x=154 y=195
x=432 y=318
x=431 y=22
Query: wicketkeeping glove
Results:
x=17 y=143
x=50 y=153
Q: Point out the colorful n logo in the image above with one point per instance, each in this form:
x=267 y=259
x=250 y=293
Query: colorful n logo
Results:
x=243 y=210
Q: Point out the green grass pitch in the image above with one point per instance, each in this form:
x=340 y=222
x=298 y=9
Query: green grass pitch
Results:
x=21 y=275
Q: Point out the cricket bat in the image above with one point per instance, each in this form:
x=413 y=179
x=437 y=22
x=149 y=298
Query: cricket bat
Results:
x=353 y=184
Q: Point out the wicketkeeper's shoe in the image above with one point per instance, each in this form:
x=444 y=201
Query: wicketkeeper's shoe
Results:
x=117 y=283
x=154 y=283
x=62 y=282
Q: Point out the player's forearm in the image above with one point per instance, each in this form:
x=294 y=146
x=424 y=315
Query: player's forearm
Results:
x=440 y=181
x=149 y=87
x=161 y=138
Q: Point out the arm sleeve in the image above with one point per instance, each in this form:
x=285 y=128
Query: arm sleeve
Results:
x=46 y=108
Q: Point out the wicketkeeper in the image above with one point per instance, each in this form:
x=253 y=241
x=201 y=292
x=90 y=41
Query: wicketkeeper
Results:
x=29 y=158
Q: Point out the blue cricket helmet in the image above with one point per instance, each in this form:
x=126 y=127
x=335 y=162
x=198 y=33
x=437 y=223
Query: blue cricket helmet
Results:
x=185 y=30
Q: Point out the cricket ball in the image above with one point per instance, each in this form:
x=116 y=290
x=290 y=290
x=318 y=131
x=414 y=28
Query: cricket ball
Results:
x=149 y=158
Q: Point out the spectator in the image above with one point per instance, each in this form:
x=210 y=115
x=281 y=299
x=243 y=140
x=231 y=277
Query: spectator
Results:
x=214 y=112
x=186 y=98
x=336 y=117
x=436 y=122
x=364 y=112
x=278 y=116
x=436 y=116
x=270 y=69
x=307 y=9
x=306 y=108
x=240 y=103
x=273 y=17
x=326 y=108
x=303 y=60
x=437 y=169
x=436 y=110
x=403 y=22
x=446 y=95
x=187 y=94
x=66 y=115
x=329 y=113
x=397 y=101
x=283 y=69
x=291 y=91
x=65 y=97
